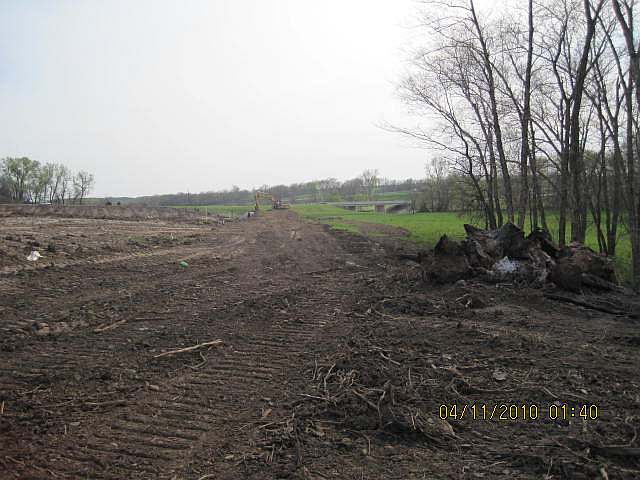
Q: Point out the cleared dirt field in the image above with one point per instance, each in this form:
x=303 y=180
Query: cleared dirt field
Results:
x=112 y=212
x=334 y=360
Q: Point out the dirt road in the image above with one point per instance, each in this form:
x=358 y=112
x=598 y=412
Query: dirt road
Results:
x=83 y=399
x=334 y=361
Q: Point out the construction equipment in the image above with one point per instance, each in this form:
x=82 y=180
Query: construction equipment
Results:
x=276 y=203
x=280 y=205
x=259 y=195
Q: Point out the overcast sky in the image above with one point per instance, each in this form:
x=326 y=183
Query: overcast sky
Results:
x=164 y=96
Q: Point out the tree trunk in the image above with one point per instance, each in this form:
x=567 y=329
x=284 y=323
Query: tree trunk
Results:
x=576 y=155
x=524 y=125
x=634 y=84
x=491 y=86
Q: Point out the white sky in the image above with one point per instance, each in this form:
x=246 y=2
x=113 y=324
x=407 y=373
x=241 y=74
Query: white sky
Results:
x=164 y=96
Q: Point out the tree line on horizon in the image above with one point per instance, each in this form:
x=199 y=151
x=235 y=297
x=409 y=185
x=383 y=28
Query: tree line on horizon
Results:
x=23 y=180
x=363 y=187
x=535 y=106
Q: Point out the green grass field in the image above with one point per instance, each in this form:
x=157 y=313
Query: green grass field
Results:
x=427 y=228
x=424 y=228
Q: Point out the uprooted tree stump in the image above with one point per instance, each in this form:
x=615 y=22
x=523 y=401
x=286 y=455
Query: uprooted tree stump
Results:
x=506 y=254
x=578 y=266
x=447 y=264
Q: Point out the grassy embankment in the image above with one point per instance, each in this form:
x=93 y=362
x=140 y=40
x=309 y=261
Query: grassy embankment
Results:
x=426 y=228
x=235 y=210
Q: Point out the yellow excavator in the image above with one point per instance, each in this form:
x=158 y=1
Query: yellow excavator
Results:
x=276 y=203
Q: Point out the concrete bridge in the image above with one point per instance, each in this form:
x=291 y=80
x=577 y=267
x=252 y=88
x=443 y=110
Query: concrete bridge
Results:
x=380 y=206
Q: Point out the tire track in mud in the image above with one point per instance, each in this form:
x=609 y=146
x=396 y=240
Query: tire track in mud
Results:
x=184 y=252
x=158 y=432
x=127 y=273
x=150 y=418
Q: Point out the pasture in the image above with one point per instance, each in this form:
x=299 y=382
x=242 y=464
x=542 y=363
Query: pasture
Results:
x=427 y=228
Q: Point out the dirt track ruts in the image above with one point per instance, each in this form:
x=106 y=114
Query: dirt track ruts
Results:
x=335 y=361
x=93 y=404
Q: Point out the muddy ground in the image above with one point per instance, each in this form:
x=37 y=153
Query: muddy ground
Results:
x=334 y=361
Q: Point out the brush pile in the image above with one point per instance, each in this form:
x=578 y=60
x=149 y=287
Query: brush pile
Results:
x=507 y=255
x=363 y=390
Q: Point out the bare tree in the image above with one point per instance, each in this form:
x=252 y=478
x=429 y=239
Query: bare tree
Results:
x=624 y=11
x=535 y=111
x=83 y=183
x=370 y=180
x=576 y=151
x=63 y=181
x=19 y=174
x=495 y=115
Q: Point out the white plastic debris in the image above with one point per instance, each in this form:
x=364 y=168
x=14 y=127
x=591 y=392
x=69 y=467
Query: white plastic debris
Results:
x=506 y=266
x=34 y=256
x=499 y=375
